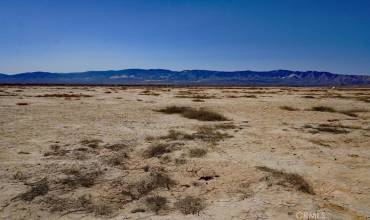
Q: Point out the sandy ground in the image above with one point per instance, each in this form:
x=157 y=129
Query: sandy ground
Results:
x=49 y=138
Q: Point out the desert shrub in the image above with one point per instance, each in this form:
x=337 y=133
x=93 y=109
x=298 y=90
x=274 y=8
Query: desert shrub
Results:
x=116 y=159
x=290 y=180
x=92 y=143
x=64 y=95
x=191 y=113
x=190 y=205
x=329 y=128
x=79 y=176
x=156 y=203
x=198 y=100
x=323 y=109
x=157 y=149
x=144 y=186
x=116 y=147
x=83 y=203
x=204 y=115
x=288 y=108
x=174 y=109
x=210 y=134
x=39 y=188
x=22 y=103
x=197 y=152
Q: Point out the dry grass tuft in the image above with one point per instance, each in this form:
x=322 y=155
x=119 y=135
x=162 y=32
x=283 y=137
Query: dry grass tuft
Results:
x=80 y=176
x=156 y=203
x=92 y=143
x=197 y=152
x=157 y=150
x=190 y=205
x=39 y=188
x=191 y=113
x=288 y=108
x=290 y=180
x=323 y=109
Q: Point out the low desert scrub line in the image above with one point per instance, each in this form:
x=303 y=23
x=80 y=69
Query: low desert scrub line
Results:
x=350 y=112
x=192 y=113
x=289 y=180
x=288 y=108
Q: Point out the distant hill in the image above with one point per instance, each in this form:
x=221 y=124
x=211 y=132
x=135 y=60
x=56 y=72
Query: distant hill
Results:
x=189 y=77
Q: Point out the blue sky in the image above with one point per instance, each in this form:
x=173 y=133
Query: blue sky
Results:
x=78 y=35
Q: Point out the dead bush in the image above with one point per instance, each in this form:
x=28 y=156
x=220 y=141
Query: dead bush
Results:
x=116 y=159
x=190 y=205
x=191 y=113
x=156 y=203
x=289 y=180
x=156 y=179
x=197 y=152
x=92 y=143
x=65 y=95
x=39 y=188
x=210 y=134
x=157 y=149
x=288 y=108
x=81 y=176
x=323 y=109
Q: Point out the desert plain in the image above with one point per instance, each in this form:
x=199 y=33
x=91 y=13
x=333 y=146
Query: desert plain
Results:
x=116 y=152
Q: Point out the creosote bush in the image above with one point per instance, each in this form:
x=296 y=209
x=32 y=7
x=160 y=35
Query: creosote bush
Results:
x=157 y=149
x=291 y=180
x=156 y=203
x=192 y=113
x=288 y=108
x=197 y=152
x=190 y=205
x=39 y=188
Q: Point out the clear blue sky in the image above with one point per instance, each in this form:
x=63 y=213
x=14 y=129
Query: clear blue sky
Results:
x=78 y=35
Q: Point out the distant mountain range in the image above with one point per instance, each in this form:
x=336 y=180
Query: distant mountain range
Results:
x=189 y=77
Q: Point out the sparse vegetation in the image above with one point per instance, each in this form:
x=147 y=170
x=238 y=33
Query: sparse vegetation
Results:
x=92 y=143
x=64 y=95
x=288 y=108
x=39 y=188
x=289 y=180
x=80 y=176
x=156 y=203
x=157 y=149
x=191 y=113
x=190 y=205
x=350 y=112
x=197 y=152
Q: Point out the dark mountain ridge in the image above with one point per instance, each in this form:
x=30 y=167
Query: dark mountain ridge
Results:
x=189 y=77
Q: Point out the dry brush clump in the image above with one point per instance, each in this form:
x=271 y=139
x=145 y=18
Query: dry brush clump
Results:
x=329 y=128
x=155 y=180
x=190 y=205
x=38 y=188
x=288 y=108
x=156 y=203
x=65 y=95
x=349 y=112
x=197 y=152
x=288 y=180
x=81 y=176
x=192 y=113
x=92 y=143
x=158 y=149
x=82 y=204
x=203 y=133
